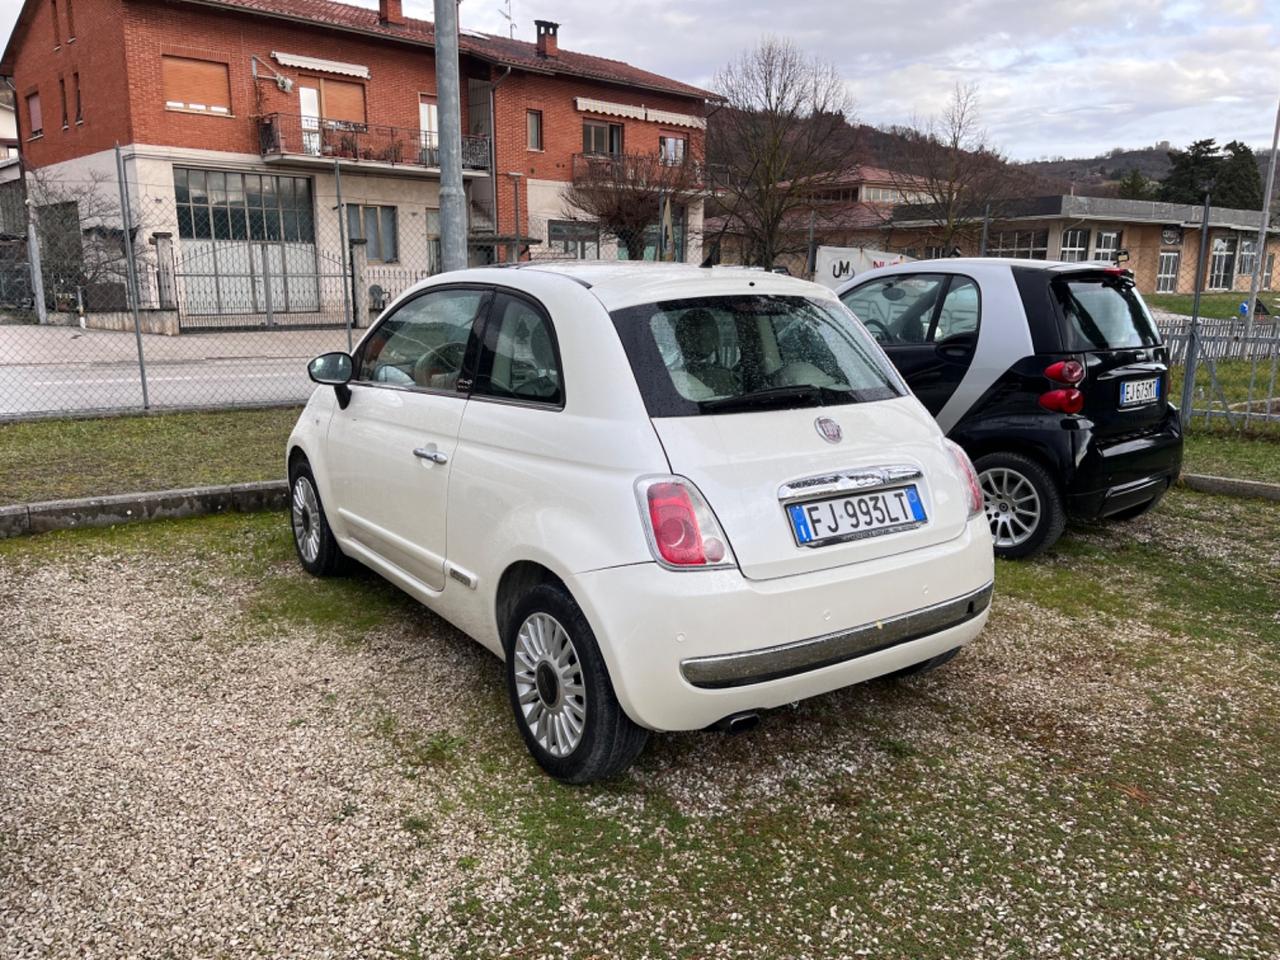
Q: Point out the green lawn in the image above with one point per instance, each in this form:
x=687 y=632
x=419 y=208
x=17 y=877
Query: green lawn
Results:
x=1222 y=306
x=1223 y=455
x=53 y=459
x=1098 y=775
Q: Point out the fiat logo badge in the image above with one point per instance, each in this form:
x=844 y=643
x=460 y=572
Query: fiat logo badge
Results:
x=829 y=430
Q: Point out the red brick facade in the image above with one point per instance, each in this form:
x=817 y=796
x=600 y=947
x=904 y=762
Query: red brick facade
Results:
x=118 y=54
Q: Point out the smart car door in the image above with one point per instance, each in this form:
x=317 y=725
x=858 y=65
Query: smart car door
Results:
x=391 y=447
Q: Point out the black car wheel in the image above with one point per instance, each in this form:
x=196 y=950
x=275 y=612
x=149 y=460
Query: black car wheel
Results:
x=1023 y=504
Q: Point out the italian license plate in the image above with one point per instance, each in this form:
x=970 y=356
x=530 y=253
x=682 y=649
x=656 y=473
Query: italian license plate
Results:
x=856 y=516
x=1134 y=393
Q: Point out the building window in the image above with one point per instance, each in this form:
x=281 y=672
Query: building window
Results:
x=71 y=22
x=601 y=138
x=575 y=239
x=935 y=253
x=35 y=120
x=1222 y=263
x=1167 y=272
x=881 y=195
x=1108 y=245
x=213 y=205
x=57 y=30
x=200 y=86
x=62 y=95
x=672 y=149
x=1075 y=245
x=75 y=83
x=1267 y=272
x=376 y=226
x=837 y=196
x=533 y=126
x=1026 y=244
x=1248 y=256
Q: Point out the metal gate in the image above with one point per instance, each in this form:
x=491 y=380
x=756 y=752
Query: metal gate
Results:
x=253 y=285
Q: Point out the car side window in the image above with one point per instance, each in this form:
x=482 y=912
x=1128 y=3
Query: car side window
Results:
x=423 y=343
x=897 y=310
x=960 y=309
x=519 y=360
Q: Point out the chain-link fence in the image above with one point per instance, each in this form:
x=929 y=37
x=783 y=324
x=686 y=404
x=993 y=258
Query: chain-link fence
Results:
x=1233 y=369
x=175 y=287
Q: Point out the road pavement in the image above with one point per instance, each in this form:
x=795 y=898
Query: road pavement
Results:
x=67 y=370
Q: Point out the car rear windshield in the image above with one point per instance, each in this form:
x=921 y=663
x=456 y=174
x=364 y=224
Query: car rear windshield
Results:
x=1103 y=312
x=730 y=354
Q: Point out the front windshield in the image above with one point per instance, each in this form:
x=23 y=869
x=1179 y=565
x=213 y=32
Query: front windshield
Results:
x=750 y=351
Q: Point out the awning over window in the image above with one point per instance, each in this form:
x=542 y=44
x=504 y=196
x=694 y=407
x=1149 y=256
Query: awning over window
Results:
x=677 y=119
x=587 y=105
x=324 y=66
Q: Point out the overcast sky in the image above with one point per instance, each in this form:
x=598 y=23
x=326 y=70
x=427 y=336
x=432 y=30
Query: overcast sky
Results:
x=1056 y=77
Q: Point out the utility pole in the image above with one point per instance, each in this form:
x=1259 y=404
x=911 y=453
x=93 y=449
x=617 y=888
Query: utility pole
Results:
x=1259 y=259
x=453 y=201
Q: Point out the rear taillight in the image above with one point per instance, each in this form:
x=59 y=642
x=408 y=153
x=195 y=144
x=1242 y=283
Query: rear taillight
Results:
x=964 y=467
x=682 y=530
x=1065 y=371
x=1069 y=400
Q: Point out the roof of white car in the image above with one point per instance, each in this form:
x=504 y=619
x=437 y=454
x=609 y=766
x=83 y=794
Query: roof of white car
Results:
x=626 y=283
x=973 y=265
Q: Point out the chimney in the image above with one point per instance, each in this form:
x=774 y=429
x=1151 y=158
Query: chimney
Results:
x=548 y=46
x=390 y=12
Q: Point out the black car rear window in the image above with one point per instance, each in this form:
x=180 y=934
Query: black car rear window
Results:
x=1102 y=312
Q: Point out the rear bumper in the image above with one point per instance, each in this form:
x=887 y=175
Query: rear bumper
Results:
x=1118 y=474
x=686 y=649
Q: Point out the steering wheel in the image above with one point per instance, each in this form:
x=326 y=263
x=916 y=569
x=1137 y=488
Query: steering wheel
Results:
x=884 y=329
x=446 y=358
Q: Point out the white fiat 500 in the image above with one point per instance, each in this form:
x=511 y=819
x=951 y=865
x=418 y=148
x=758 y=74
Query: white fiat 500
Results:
x=669 y=497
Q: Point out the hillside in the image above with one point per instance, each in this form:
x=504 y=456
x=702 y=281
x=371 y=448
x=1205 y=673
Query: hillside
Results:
x=1101 y=173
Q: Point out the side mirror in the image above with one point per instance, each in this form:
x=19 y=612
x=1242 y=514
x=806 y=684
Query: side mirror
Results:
x=331 y=369
x=334 y=370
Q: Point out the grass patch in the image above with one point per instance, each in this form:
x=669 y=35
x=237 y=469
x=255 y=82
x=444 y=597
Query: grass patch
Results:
x=1219 y=306
x=1232 y=455
x=57 y=459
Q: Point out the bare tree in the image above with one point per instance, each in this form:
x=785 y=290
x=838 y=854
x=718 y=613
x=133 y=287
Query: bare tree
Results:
x=781 y=135
x=953 y=171
x=624 y=193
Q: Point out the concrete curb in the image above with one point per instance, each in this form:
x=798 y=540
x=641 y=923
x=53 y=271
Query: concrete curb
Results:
x=1230 y=487
x=21 y=519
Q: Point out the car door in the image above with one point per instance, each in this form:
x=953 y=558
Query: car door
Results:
x=390 y=449
x=927 y=323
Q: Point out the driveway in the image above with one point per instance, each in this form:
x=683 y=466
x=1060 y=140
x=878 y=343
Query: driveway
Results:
x=207 y=754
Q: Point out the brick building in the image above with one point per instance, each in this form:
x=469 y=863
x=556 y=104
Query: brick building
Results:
x=241 y=123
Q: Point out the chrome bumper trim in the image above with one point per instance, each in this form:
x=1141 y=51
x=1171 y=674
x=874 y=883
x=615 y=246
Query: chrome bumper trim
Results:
x=788 y=659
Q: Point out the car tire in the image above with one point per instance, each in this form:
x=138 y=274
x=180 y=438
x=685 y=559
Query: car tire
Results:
x=560 y=692
x=1023 y=504
x=317 y=549
x=925 y=666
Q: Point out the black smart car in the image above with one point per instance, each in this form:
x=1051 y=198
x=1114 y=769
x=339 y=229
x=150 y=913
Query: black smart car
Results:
x=1051 y=375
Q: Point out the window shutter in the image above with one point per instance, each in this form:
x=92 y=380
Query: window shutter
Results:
x=196 y=84
x=34 y=115
x=343 y=101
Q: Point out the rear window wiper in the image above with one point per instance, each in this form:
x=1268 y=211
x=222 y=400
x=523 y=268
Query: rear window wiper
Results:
x=812 y=394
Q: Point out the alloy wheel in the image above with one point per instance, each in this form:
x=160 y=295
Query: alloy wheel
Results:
x=1012 y=505
x=549 y=684
x=306 y=519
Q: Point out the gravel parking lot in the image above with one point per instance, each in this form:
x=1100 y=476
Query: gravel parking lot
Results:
x=205 y=754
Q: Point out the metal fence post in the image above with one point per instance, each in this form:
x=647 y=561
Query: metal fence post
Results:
x=346 y=256
x=266 y=283
x=126 y=220
x=1193 y=328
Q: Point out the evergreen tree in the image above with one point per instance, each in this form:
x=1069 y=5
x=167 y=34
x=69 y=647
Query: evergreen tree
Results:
x=1239 y=185
x=1192 y=169
x=1134 y=186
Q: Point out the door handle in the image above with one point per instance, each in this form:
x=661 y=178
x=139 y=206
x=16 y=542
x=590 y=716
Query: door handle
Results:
x=432 y=454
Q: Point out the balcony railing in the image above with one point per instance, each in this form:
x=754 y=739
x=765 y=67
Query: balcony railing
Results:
x=291 y=135
x=631 y=168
